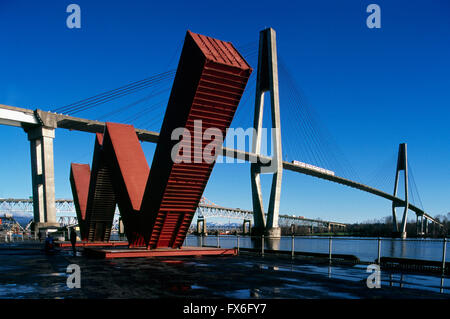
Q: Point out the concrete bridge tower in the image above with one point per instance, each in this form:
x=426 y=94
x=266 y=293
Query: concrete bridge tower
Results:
x=402 y=165
x=267 y=81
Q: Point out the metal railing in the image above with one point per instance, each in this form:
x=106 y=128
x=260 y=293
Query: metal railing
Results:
x=25 y=236
x=11 y=237
x=366 y=250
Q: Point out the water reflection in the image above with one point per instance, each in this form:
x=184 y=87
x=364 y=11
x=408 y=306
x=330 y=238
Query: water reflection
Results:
x=403 y=248
x=404 y=280
x=272 y=243
x=392 y=248
x=254 y=293
x=399 y=248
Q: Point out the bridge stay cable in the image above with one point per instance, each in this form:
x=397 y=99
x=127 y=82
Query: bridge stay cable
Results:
x=134 y=87
x=414 y=188
x=115 y=93
x=326 y=149
x=382 y=177
x=303 y=134
x=118 y=95
x=128 y=106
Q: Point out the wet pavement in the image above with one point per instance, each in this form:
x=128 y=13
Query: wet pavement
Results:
x=26 y=272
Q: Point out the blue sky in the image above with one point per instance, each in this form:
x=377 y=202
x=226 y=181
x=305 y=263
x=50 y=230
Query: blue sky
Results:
x=370 y=88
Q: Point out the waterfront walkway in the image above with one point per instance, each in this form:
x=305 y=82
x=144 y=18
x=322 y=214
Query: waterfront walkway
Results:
x=26 y=272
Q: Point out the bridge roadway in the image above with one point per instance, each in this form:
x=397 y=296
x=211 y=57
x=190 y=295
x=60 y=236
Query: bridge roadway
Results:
x=10 y=115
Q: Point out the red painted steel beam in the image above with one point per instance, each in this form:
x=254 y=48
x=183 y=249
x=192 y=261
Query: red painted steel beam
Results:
x=119 y=175
x=209 y=83
x=130 y=171
x=101 y=203
x=80 y=175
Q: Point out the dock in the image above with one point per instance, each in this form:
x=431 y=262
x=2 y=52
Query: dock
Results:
x=415 y=265
x=65 y=244
x=107 y=253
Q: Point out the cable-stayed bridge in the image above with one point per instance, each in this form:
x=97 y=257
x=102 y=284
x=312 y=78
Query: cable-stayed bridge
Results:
x=40 y=126
x=26 y=116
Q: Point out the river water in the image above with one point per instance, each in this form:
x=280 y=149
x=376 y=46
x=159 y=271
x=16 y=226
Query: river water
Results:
x=366 y=249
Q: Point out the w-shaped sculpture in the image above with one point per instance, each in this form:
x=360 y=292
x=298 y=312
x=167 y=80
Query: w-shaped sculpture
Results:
x=157 y=205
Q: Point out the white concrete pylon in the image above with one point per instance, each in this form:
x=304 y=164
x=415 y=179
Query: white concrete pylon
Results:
x=267 y=80
x=402 y=165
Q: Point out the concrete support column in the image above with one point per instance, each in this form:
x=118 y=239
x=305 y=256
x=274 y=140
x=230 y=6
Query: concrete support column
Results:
x=246 y=229
x=417 y=225
x=121 y=227
x=201 y=229
x=421 y=225
x=42 y=176
x=293 y=227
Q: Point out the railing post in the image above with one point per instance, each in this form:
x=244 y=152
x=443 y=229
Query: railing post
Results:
x=238 y=244
x=292 y=247
x=262 y=245
x=329 y=248
x=379 y=250
x=218 y=242
x=201 y=240
x=444 y=251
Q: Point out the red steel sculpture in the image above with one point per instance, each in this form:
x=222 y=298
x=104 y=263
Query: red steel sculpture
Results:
x=157 y=205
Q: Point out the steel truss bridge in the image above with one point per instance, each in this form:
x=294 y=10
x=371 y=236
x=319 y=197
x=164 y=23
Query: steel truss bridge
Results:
x=206 y=210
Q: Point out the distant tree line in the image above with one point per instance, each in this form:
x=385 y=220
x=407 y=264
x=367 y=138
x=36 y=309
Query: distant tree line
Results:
x=382 y=227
